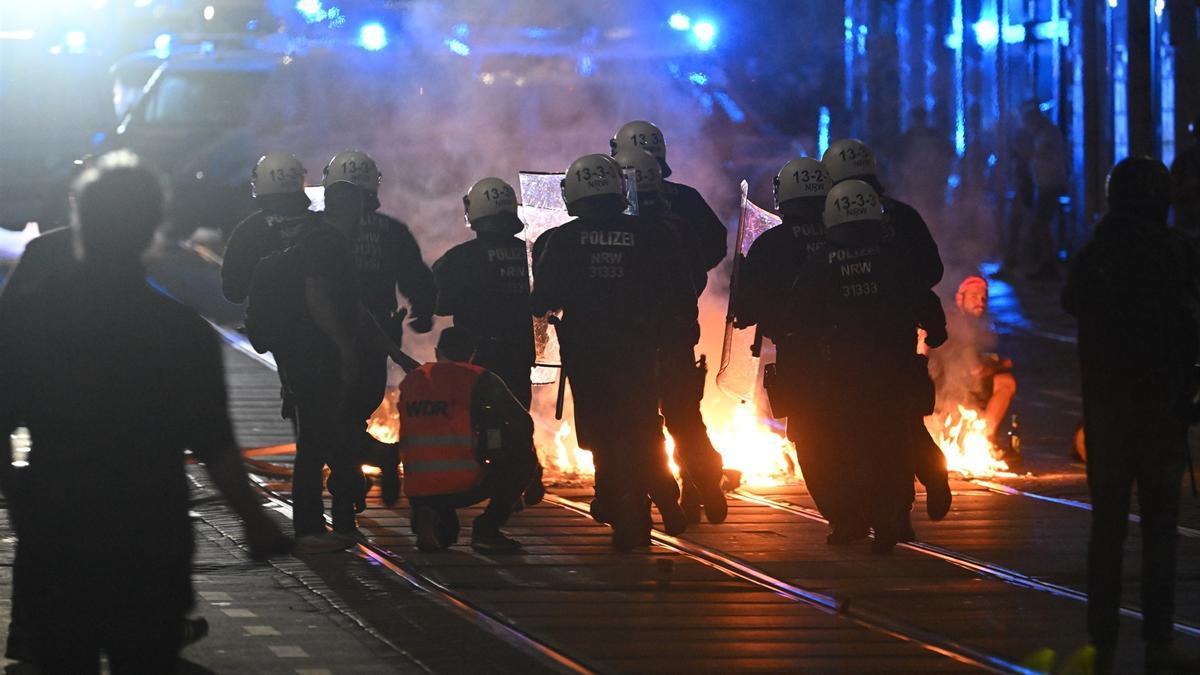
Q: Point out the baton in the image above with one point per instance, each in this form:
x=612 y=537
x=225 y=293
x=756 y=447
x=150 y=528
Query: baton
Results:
x=553 y=320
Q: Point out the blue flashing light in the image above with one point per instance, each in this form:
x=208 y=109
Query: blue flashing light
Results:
x=75 y=40
x=586 y=67
x=705 y=33
x=458 y=47
x=1052 y=30
x=680 y=21
x=822 y=131
x=98 y=137
x=461 y=30
x=162 y=45
x=372 y=36
x=731 y=108
x=1013 y=34
x=987 y=33
x=311 y=10
x=954 y=180
x=698 y=79
x=992 y=159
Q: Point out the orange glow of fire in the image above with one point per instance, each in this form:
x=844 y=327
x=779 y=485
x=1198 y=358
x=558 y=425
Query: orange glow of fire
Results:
x=745 y=442
x=966 y=442
x=384 y=423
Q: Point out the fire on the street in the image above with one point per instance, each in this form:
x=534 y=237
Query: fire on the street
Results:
x=746 y=443
x=384 y=423
x=965 y=440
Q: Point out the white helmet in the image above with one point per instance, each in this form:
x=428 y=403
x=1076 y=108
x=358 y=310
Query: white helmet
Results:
x=592 y=175
x=277 y=173
x=849 y=158
x=354 y=166
x=852 y=201
x=489 y=197
x=799 y=178
x=647 y=173
x=640 y=134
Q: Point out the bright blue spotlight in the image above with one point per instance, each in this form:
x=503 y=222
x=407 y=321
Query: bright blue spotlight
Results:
x=311 y=10
x=699 y=79
x=75 y=40
x=162 y=45
x=1013 y=34
x=680 y=21
x=458 y=47
x=705 y=33
x=987 y=33
x=372 y=37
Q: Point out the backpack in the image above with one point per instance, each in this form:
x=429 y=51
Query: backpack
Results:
x=275 y=305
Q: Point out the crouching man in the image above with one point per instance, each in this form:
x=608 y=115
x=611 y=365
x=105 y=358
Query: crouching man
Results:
x=464 y=438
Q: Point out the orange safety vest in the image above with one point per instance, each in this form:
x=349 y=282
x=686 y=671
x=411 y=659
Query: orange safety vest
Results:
x=437 y=440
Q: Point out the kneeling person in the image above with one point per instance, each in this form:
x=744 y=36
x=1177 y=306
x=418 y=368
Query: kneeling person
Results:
x=464 y=439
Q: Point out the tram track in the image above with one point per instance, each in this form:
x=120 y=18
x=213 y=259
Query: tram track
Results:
x=549 y=654
x=733 y=566
x=969 y=563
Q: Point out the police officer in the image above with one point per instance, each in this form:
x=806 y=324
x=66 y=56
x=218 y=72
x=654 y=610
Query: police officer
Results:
x=907 y=235
x=858 y=303
x=466 y=439
x=623 y=291
x=386 y=259
x=277 y=184
x=1132 y=288
x=680 y=376
x=699 y=221
x=904 y=229
x=484 y=285
x=766 y=297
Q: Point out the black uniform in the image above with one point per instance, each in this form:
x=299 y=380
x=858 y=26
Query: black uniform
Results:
x=484 y=285
x=256 y=237
x=854 y=340
x=330 y=420
x=388 y=259
x=1130 y=289
x=624 y=293
x=680 y=379
x=699 y=221
x=767 y=298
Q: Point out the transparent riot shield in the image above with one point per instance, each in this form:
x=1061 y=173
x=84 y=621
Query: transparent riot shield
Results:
x=541 y=209
x=743 y=349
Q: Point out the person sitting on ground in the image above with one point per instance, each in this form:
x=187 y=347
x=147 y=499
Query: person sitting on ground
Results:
x=464 y=438
x=965 y=369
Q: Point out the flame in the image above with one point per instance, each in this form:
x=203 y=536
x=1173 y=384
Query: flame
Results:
x=746 y=444
x=965 y=439
x=384 y=423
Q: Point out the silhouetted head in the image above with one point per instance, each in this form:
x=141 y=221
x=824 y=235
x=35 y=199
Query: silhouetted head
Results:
x=117 y=203
x=454 y=344
x=1140 y=186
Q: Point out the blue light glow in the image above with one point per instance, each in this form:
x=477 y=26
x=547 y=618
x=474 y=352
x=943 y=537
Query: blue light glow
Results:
x=372 y=37
x=987 y=33
x=698 y=78
x=1051 y=30
x=162 y=45
x=311 y=10
x=461 y=30
x=586 y=67
x=458 y=47
x=704 y=32
x=731 y=108
x=822 y=131
x=1013 y=34
x=680 y=21
x=75 y=40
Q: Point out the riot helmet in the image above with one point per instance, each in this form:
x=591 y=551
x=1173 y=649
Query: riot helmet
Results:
x=644 y=135
x=491 y=206
x=850 y=158
x=802 y=178
x=596 y=179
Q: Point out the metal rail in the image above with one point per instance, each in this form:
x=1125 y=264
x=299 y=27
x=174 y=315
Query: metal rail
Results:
x=502 y=628
x=556 y=658
x=1000 y=488
x=1008 y=576
x=843 y=608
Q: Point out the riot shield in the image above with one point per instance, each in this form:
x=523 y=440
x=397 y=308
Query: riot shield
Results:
x=541 y=209
x=742 y=350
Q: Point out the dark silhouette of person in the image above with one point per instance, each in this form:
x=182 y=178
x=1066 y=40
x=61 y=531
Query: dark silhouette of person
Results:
x=1132 y=289
x=114 y=381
